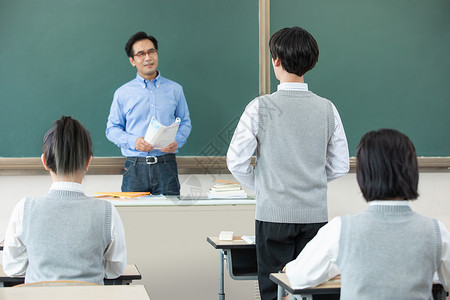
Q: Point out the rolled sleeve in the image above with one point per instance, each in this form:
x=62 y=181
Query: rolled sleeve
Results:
x=116 y=253
x=15 y=258
x=182 y=112
x=243 y=146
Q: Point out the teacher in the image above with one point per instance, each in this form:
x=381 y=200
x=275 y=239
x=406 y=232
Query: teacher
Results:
x=135 y=103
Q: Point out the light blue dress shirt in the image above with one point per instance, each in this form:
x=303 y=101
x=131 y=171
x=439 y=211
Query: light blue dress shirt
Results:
x=134 y=105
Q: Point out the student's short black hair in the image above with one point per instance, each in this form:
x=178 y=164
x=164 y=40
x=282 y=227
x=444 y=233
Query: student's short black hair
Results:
x=296 y=48
x=386 y=166
x=139 y=36
x=67 y=147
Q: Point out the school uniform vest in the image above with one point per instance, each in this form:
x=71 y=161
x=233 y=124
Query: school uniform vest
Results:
x=290 y=178
x=388 y=252
x=66 y=234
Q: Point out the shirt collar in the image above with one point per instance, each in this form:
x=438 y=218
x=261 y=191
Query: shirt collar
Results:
x=66 y=186
x=389 y=202
x=293 y=86
x=144 y=81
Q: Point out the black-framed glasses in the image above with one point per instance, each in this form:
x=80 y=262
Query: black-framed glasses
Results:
x=142 y=54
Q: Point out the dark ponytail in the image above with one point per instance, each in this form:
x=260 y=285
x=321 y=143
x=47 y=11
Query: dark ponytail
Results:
x=67 y=146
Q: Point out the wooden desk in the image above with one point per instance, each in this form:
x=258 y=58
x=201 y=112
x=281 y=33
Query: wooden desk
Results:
x=135 y=292
x=240 y=257
x=331 y=287
x=131 y=273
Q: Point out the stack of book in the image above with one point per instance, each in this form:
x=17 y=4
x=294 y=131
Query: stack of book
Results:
x=224 y=189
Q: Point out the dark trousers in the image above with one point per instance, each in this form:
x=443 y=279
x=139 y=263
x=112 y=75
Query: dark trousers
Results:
x=158 y=178
x=276 y=245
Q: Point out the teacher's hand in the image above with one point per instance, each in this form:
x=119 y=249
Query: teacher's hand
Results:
x=170 y=148
x=142 y=145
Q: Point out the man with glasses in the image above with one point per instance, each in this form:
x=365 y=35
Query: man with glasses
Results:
x=134 y=104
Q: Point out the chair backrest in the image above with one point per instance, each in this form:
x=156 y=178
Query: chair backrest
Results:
x=55 y=283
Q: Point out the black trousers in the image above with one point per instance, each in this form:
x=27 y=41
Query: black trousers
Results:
x=276 y=245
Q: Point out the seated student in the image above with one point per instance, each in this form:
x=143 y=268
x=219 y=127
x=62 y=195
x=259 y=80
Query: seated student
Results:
x=65 y=235
x=388 y=251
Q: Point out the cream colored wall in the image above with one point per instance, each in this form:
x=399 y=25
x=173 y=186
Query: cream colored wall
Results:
x=169 y=246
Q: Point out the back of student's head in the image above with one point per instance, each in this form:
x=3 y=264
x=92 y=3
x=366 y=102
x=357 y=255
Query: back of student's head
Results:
x=386 y=166
x=139 y=36
x=296 y=48
x=67 y=147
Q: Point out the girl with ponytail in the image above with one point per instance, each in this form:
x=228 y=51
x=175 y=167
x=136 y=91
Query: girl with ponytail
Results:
x=65 y=235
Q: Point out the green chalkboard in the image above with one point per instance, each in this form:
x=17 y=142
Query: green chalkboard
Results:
x=67 y=57
x=383 y=63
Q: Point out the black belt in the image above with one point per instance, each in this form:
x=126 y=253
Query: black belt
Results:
x=151 y=160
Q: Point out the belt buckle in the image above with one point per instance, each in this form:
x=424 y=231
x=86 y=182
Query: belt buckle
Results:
x=151 y=160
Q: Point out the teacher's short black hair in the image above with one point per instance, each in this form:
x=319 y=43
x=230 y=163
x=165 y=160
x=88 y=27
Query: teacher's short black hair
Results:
x=386 y=166
x=138 y=36
x=296 y=48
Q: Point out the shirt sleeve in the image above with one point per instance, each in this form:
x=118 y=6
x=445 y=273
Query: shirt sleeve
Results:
x=116 y=253
x=316 y=263
x=15 y=259
x=116 y=128
x=337 y=152
x=182 y=112
x=243 y=146
x=443 y=271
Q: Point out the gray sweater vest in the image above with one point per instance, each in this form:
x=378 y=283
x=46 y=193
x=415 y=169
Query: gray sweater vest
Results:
x=388 y=252
x=290 y=176
x=66 y=234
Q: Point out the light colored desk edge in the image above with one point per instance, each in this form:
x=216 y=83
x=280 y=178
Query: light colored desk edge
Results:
x=237 y=240
x=130 y=270
x=10 y=166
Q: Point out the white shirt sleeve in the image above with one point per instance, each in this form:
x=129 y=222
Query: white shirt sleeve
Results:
x=15 y=259
x=443 y=271
x=116 y=253
x=337 y=153
x=316 y=263
x=243 y=146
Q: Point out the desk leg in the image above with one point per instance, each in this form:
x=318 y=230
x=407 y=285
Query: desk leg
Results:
x=280 y=293
x=221 y=271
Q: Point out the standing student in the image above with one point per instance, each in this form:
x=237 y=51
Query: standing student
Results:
x=300 y=145
x=135 y=103
x=388 y=251
x=65 y=235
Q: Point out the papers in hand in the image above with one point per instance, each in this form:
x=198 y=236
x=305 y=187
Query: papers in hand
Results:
x=224 y=189
x=160 y=136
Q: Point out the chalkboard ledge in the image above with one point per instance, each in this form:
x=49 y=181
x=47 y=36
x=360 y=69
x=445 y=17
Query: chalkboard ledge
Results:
x=11 y=166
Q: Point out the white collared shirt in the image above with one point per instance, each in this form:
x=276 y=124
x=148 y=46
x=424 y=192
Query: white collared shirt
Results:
x=244 y=139
x=15 y=260
x=316 y=263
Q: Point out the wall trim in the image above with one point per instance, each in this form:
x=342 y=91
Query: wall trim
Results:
x=186 y=165
x=264 y=55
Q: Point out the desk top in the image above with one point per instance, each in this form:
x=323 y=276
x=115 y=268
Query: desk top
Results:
x=178 y=201
x=330 y=287
x=111 y=292
x=131 y=273
x=236 y=243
